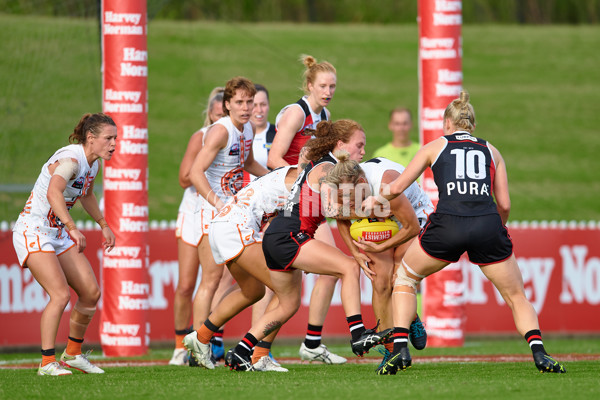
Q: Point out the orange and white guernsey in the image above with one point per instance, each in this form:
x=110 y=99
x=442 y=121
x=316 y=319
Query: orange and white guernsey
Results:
x=239 y=222
x=226 y=173
x=190 y=204
x=257 y=201
x=374 y=170
x=37 y=216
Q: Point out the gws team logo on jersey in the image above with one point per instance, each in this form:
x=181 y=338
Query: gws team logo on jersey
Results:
x=235 y=149
x=78 y=184
x=233 y=181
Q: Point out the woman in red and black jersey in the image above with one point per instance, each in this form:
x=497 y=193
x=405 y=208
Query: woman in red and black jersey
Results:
x=289 y=246
x=469 y=173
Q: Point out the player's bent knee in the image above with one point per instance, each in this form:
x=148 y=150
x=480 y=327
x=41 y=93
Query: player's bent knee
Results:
x=61 y=300
x=82 y=314
x=290 y=305
x=406 y=277
x=256 y=294
x=94 y=295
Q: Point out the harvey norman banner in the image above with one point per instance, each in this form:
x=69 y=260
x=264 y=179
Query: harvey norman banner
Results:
x=125 y=288
x=440 y=82
x=560 y=267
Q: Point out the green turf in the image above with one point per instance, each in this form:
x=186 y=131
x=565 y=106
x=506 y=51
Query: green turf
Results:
x=518 y=380
x=457 y=381
x=452 y=380
x=534 y=88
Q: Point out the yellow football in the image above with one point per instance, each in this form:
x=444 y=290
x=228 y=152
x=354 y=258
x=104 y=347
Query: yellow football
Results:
x=374 y=229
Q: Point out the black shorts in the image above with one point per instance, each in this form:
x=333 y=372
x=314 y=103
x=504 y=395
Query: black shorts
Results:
x=282 y=248
x=484 y=238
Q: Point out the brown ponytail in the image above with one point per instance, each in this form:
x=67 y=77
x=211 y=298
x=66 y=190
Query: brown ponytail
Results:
x=89 y=123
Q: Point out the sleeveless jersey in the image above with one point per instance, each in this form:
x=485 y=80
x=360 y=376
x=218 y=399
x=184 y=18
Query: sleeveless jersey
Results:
x=302 y=211
x=374 y=170
x=260 y=149
x=311 y=119
x=464 y=173
x=37 y=214
x=225 y=174
x=191 y=198
x=259 y=200
x=262 y=144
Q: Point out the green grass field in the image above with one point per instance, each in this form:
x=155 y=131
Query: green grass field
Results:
x=425 y=380
x=534 y=88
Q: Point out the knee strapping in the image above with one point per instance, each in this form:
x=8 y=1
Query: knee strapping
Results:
x=405 y=276
x=82 y=314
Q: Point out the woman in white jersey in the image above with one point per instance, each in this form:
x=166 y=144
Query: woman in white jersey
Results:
x=186 y=233
x=292 y=123
x=217 y=175
x=265 y=132
x=234 y=233
x=53 y=254
x=410 y=211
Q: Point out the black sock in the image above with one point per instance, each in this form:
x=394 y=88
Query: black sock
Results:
x=211 y=326
x=246 y=345
x=400 y=336
x=313 y=336
x=534 y=339
x=182 y=331
x=48 y=352
x=264 y=345
x=355 y=323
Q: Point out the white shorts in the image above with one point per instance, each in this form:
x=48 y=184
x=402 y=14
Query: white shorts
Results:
x=27 y=243
x=229 y=239
x=202 y=219
x=184 y=229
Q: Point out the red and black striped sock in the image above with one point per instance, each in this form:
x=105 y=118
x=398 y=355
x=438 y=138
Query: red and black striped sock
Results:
x=400 y=337
x=534 y=339
x=355 y=323
x=245 y=346
x=218 y=337
x=313 y=336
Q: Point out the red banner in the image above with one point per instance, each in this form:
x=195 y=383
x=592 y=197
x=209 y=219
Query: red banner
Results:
x=560 y=267
x=440 y=82
x=124 y=330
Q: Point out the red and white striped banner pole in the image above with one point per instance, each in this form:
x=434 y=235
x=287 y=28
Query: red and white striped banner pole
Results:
x=124 y=327
x=440 y=82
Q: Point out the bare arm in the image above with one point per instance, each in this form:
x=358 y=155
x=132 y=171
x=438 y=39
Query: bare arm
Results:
x=302 y=160
x=501 y=186
x=215 y=140
x=361 y=258
x=423 y=159
x=331 y=204
x=333 y=208
x=193 y=148
x=404 y=212
x=290 y=123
